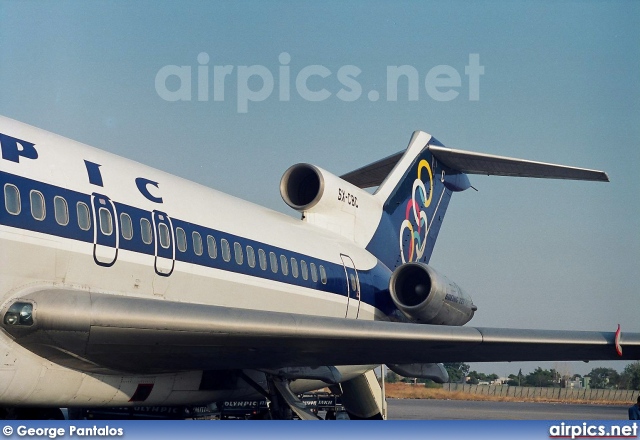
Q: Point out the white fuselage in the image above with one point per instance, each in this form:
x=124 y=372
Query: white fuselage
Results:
x=43 y=254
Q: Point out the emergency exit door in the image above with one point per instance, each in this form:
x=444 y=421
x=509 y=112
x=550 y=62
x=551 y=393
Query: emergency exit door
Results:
x=353 y=287
x=106 y=238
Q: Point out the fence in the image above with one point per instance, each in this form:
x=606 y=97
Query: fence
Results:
x=545 y=393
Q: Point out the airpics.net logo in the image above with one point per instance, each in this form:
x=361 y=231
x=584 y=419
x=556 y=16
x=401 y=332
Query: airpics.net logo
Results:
x=588 y=430
x=313 y=83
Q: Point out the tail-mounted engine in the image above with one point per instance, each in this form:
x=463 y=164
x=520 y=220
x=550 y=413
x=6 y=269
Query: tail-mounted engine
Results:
x=425 y=296
x=330 y=202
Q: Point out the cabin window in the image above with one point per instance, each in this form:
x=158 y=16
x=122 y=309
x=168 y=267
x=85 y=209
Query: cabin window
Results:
x=197 y=243
x=106 y=221
x=212 y=248
x=84 y=220
x=61 y=210
x=285 y=265
x=251 y=257
x=37 y=205
x=314 y=272
x=126 y=226
x=12 y=199
x=294 y=267
x=304 y=270
x=262 y=256
x=323 y=275
x=226 y=250
x=163 y=235
x=273 y=259
x=145 y=231
x=237 y=250
x=181 y=240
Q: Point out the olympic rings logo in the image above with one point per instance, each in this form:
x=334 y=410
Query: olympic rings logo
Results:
x=416 y=221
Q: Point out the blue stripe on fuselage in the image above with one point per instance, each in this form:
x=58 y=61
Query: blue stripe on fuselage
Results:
x=373 y=282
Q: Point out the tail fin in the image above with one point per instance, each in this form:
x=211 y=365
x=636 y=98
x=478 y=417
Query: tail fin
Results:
x=419 y=183
x=415 y=196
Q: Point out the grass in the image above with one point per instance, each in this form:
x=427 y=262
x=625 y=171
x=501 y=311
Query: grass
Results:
x=408 y=391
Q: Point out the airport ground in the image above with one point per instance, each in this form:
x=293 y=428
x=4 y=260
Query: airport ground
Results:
x=433 y=409
x=512 y=394
x=444 y=409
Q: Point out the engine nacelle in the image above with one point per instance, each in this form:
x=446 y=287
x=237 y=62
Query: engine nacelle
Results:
x=425 y=296
x=435 y=372
x=330 y=202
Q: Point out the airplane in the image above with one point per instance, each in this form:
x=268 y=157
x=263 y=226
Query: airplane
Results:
x=122 y=285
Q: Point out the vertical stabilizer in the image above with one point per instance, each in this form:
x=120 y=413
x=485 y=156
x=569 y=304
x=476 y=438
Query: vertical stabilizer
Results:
x=415 y=196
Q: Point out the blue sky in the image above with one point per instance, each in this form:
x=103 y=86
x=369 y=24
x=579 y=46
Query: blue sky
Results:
x=561 y=84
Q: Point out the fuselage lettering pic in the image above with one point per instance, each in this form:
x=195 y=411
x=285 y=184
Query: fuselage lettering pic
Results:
x=124 y=286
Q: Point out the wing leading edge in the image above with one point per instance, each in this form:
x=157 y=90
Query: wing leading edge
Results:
x=116 y=333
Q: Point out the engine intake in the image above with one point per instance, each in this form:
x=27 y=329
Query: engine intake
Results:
x=425 y=296
x=330 y=202
x=302 y=186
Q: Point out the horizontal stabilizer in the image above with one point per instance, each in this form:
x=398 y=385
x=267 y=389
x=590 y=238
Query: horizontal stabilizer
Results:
x=479 y=163
x=471 y=162
x=373 y=174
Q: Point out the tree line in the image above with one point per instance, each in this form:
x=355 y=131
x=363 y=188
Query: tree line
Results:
x=598 y=378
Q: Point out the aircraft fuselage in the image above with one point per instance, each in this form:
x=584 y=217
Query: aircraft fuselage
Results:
x=79 y=218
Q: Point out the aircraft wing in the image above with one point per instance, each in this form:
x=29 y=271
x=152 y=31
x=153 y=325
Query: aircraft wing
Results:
x=102 y=333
